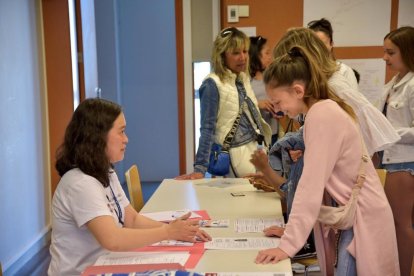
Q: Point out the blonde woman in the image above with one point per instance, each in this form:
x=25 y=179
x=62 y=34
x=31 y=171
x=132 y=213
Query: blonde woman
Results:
x=223 y=95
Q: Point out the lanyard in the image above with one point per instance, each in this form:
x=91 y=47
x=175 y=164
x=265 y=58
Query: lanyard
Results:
x=119 y=212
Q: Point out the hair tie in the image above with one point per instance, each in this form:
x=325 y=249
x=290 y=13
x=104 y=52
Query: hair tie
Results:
x=294 y=52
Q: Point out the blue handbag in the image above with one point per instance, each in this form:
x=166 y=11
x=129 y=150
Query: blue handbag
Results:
x=219 y=163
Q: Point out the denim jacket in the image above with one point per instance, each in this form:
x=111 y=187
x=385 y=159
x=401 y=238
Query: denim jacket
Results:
x=291 y=141
x=209 y=103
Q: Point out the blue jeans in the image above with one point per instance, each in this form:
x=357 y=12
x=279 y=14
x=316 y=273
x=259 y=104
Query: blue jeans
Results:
x=346 y=262
x=400 y=167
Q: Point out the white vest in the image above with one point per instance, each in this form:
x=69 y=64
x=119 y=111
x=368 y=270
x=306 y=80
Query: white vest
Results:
x=229 y=106
x=227 y=112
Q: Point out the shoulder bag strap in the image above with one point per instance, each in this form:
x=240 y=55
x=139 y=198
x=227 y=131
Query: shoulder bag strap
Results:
x=230 y=136
x=362 y=167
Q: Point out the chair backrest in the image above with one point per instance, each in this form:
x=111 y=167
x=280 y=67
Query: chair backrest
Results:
x=134 y=187
x=382 y=173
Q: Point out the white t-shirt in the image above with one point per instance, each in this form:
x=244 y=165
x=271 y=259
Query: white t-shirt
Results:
x=259 y=90
x=78 y=199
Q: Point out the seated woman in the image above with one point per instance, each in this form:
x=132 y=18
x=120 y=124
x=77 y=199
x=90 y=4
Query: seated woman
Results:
x=90 y=212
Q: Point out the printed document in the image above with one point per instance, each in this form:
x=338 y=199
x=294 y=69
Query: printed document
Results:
x=170 y=215
x=121 y=258
x=242 y=243
x=247 y=274
x=254 y=225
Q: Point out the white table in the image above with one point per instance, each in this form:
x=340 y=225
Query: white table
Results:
x=205 y=194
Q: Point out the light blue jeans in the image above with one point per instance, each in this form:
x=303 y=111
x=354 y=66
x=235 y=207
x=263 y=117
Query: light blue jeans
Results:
x=346 y=262
x=400 y=167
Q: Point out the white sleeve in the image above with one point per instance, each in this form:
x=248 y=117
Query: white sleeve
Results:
x=87 y=200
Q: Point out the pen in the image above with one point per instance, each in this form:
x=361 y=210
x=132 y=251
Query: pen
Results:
x=240 y=240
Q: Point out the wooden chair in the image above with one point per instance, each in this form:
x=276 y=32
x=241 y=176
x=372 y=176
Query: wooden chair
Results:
x=134 y=188
x=382 y=173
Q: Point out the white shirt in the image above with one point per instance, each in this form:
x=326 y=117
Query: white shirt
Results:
x=260 y=93
x=400 y=113
x=78 y=199
x=349 y=75
x=377 y=131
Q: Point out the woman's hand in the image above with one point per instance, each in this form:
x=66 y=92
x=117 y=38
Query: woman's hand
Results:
x=260 y=160
x=266 y=105
x=274 y=231
x=202 y=236
x=295 y=155
x=259 y=182
x=273 y=255
x=194 y=175
x=182 y=230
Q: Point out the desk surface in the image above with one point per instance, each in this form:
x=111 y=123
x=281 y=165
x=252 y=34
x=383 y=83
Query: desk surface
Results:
x=214 y=196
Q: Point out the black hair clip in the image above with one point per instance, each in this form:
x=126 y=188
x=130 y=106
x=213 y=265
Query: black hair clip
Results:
x=294 y=52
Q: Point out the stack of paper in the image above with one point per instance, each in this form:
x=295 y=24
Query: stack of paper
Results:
x=120 y=258
x=242 y=243
x=254 y=225
x=170 y=215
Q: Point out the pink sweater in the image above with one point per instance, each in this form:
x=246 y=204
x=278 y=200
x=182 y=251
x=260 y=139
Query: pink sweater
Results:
x=332 y=159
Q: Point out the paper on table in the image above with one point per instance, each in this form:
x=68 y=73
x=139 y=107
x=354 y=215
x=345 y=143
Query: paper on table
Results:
x=119 y=258
x=126 y=269
x=225 y=182
x=242 y=243
x=247 y=274
x=170 y=215
x=172 y=243
x=215 y=223
x=254 y=225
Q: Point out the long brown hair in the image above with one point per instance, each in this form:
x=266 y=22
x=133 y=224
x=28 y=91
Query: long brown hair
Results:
x=299 y=65
x=84 y=145
x=307 y=38
x=403 y=38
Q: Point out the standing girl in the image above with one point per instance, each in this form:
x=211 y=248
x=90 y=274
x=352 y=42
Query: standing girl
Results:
x=398 y=160
x=333 y=164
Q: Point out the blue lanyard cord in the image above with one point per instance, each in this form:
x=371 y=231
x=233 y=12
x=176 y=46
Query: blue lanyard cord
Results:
x=119 y=213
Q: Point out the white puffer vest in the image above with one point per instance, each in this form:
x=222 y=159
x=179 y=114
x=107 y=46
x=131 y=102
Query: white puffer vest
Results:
x=227 y=113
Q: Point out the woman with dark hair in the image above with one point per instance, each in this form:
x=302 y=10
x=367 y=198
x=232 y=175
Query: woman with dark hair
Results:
x=229 y=110
x=90 y=212
x=323 y=29
x=260 y=56
x=398 y=160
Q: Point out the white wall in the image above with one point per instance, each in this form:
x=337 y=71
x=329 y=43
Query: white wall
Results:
x=24 y=187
